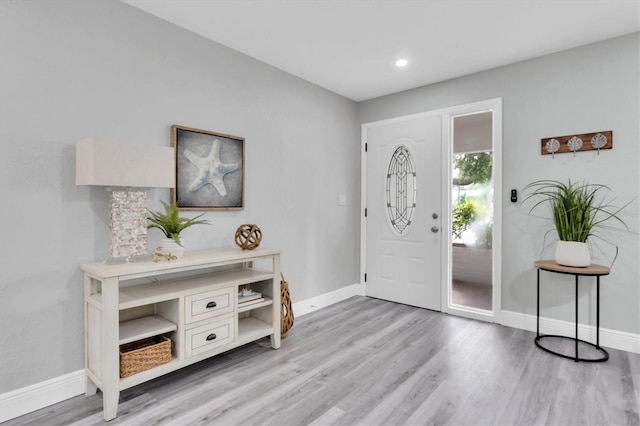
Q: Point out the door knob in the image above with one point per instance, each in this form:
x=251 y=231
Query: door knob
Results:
x=434 y=229
x=435 y=215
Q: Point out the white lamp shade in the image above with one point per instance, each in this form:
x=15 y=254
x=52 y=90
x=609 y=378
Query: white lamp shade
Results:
x=111 y=163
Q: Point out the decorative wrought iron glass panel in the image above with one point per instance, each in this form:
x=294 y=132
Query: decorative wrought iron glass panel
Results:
x=401 y=189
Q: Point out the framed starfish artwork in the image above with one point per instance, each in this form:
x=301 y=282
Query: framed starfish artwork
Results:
x=209 y=170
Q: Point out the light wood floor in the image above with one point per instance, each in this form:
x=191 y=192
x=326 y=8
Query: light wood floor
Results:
x=371 y=362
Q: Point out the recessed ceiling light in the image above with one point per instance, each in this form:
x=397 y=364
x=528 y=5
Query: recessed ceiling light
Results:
x=401 y=63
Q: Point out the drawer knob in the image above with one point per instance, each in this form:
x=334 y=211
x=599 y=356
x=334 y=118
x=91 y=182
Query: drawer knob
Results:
x=211 y=305
x=212 y=336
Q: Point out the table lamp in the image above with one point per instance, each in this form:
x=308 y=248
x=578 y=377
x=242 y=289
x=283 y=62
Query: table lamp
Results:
x=127 y=170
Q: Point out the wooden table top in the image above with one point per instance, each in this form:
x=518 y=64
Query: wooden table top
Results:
x=551 y=265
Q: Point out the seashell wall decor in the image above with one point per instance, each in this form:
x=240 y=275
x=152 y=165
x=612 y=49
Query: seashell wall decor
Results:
x=577 y=143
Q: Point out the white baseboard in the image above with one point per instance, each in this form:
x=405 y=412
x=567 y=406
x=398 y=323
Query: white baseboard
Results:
x=40 y=395
x=310 y=305
x=31 y=398
x=614 y=339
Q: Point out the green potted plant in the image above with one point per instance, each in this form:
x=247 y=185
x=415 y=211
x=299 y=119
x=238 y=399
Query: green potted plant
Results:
x=171 y=225
x=578 y=209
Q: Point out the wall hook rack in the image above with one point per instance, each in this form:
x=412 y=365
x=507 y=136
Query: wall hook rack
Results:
x=577 y=143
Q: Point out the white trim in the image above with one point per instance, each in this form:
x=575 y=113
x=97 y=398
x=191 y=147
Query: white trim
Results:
x=310 y=305
x=628 y=342
x=447 y=254
x=620 y=340
x=31 y=398
x=494 y=105
x=363 y=177
x=40 y=395
x=363 y=205
x=498 y=193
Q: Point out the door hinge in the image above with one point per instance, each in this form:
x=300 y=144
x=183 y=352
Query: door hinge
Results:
x=365 y=277
x=365 y=212
x=366 y=146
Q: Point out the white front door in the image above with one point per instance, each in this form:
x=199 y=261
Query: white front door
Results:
x=403 y=202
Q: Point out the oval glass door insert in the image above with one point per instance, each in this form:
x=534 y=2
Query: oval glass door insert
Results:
x=401 y=189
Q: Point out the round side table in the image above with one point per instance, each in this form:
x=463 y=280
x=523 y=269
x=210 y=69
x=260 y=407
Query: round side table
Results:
x=589 y=271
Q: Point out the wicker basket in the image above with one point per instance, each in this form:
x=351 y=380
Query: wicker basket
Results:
x=286 y=312
x=144 y=354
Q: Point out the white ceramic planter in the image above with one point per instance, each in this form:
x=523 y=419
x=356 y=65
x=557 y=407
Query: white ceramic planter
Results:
x=167 y=245
x=573 y=253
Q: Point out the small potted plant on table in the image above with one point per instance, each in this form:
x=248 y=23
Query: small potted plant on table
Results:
x=577 y=210
x=171 y=225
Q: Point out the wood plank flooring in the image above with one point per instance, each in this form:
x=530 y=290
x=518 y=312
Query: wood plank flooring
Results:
x=365 y=361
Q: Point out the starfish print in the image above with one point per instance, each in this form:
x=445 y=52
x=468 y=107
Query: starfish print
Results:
x=210 y=169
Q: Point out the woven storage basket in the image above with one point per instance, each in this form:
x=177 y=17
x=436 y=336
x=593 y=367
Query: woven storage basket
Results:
x=286 y=313
x=144 y=354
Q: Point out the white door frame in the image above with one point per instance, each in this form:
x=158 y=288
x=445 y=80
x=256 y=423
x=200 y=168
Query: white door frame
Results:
x=494 y=105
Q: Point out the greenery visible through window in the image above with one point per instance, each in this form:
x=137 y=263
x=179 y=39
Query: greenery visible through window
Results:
x=464 y=212
x=471 y=209
x=473 y=168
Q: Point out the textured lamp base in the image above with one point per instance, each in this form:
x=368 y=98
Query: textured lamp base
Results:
x=128 y=226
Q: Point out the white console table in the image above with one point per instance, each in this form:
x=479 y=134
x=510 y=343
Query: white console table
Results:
x=192 y=300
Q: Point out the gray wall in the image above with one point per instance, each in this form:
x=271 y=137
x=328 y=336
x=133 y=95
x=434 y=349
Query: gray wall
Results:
x=75 y=68
x=583 y=90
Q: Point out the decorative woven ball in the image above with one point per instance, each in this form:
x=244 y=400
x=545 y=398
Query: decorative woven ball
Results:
x=248 y=237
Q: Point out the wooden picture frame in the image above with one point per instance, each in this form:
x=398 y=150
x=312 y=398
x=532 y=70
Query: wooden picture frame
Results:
x=209 y=170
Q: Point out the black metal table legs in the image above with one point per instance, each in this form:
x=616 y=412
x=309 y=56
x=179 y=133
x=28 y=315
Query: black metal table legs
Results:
x=576 y=357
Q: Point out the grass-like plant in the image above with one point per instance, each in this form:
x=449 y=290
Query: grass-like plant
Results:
x=170 y=222
x=577 y=208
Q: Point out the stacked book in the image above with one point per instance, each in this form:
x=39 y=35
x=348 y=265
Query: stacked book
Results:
x=247 y=298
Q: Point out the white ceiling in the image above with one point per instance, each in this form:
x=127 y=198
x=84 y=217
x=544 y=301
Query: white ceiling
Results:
x=350 y=46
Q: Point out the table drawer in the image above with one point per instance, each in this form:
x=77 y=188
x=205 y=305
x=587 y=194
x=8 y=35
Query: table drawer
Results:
x=209 y=304
x=206 y=337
